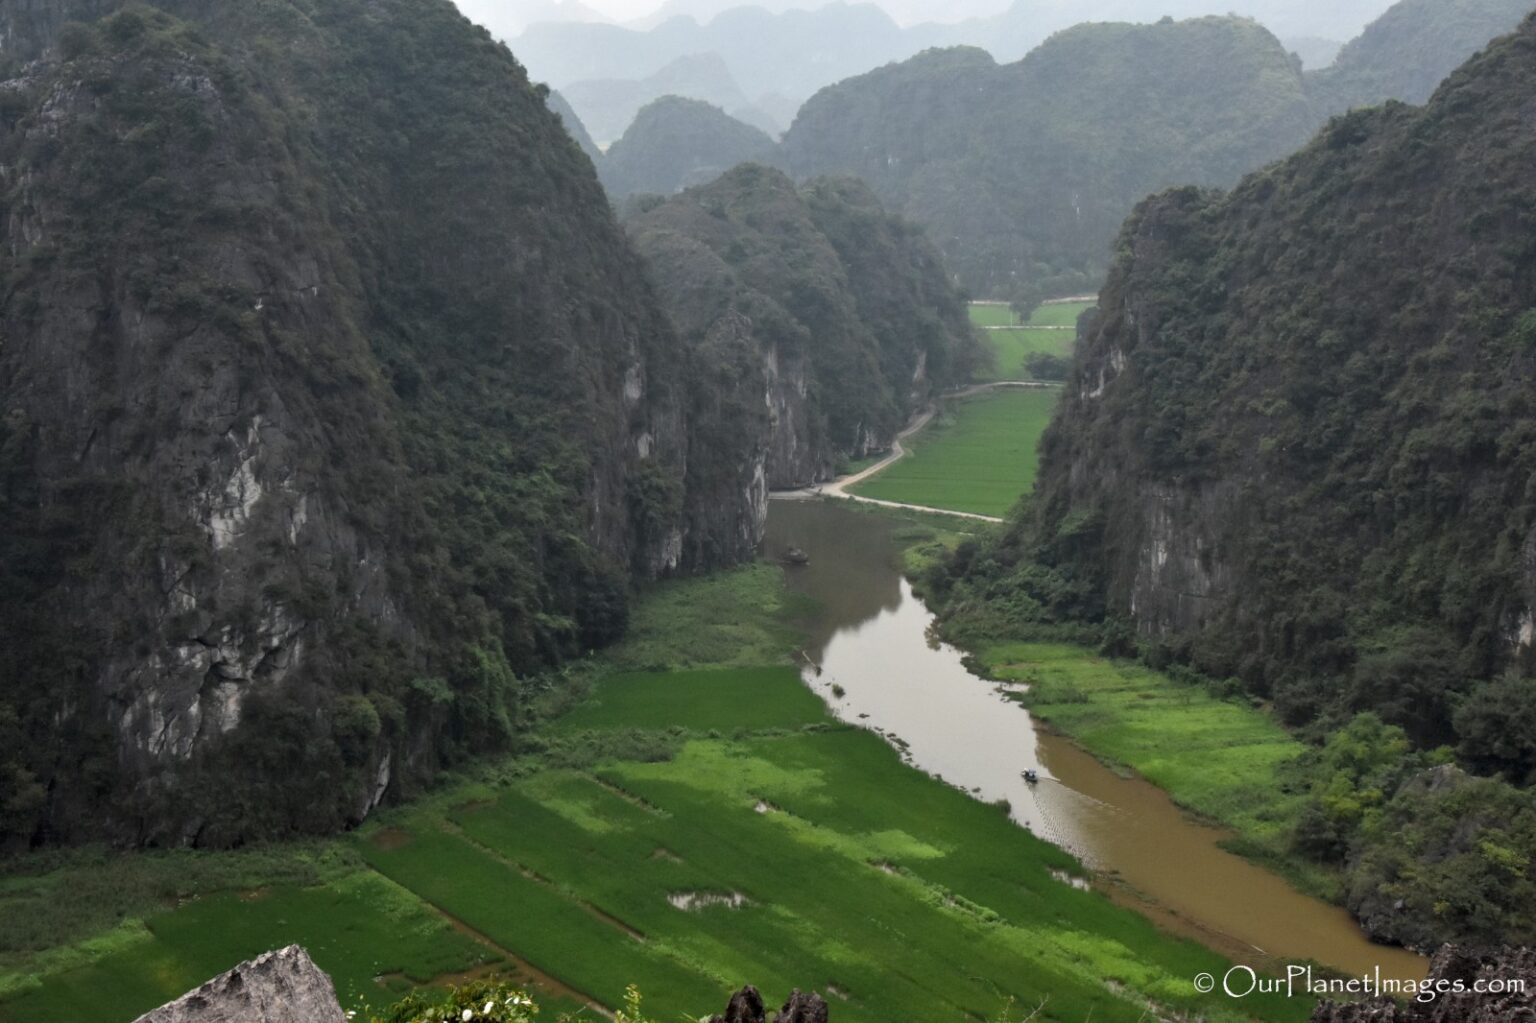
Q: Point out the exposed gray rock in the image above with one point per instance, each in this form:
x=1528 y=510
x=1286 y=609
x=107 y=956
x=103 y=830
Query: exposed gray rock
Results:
x=278 y=987
x=746 y=1006
x=803 y=1008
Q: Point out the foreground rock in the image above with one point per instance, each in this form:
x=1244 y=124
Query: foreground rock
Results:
x=278 y=987
x=1454 y=965
x=746 y=1006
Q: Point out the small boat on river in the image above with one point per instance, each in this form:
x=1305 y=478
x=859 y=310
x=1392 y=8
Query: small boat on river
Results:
x=795 y=556
x=1031 y=776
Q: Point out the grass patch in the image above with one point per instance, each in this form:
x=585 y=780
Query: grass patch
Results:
x=1041 y=334
x=60 y=908
x=829 y=862
x=980 y=459
x=357 y=927
x=737 y=618
x=1012 y=347
x=1059 y=314
x=724 y=701
x=1223 y=759
x=986 y=315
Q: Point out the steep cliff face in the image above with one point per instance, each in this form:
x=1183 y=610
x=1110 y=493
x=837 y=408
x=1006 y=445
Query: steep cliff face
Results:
x=817 y=321
x=1297 y=442
x=332 y=402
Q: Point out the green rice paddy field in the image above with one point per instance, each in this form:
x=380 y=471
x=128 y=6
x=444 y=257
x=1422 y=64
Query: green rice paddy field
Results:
x=799 y=855
x=719 y=829
x=979 y=458
x=774 y=846
x=1013 y=346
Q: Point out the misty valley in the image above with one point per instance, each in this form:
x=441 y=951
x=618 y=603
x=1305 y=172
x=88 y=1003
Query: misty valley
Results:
x=1018 y=512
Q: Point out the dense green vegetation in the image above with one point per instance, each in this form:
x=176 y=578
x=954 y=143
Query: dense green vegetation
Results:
x=841 y=313
x=1315 y=485
x=354 y=922
x=1023 y=172
x=403 y=420
x=674 y=143
x=978 y=457
x=432 y=475
x=573 y=126
x=1407 y=52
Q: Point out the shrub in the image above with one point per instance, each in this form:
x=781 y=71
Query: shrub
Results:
x=480 y=1002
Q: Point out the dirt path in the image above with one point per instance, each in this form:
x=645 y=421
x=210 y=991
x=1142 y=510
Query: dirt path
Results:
x=838 y=488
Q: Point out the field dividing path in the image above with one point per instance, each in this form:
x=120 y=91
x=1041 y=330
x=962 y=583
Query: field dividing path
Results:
x=838 y=488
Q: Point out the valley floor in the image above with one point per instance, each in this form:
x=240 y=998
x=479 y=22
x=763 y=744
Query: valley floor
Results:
x=1049 y=331
x=697 y=820
x=687 y=828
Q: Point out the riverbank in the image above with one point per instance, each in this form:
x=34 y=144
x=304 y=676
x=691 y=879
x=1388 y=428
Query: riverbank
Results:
x=694 y=822
x=879 y=660
x=1221 y=759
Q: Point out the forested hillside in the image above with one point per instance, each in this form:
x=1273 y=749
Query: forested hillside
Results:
x=836 y=312
x=1409 y=50
x=573 y=126
x=1023 y=172
x=336 y=405
x=607 y=106
x=1296 y=452
x=675 y=142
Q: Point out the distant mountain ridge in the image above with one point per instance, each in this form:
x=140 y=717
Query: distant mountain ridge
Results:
x=1407 y=52
x=795 y=51
x=608 y=106
x=675 y=143
x=1023 y=172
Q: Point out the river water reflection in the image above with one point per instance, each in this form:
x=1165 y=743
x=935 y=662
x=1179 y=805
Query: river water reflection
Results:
x=873 y=639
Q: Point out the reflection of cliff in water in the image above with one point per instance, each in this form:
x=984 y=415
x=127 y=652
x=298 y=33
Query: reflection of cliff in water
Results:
x=853 y=575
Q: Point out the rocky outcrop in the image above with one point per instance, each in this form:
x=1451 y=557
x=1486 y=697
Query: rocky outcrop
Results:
x=333 y=401
x=284 y=986
x=1468 y=986
x=746 y=1006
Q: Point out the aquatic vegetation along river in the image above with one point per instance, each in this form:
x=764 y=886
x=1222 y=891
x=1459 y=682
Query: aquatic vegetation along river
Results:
x=873 y=656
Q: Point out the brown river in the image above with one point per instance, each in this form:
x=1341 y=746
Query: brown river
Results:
x=872 y=637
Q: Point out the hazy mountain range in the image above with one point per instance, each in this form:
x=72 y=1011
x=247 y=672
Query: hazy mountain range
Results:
x=776 y=57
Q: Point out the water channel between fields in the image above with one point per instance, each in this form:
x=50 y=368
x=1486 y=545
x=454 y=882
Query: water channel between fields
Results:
x=872 y=638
